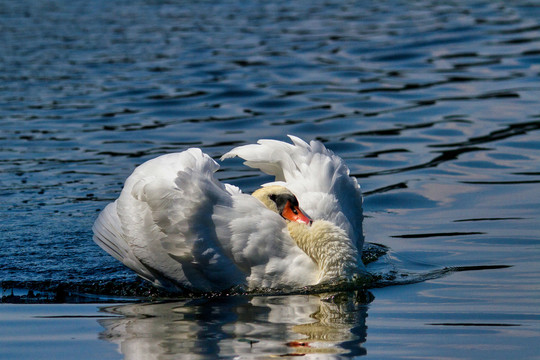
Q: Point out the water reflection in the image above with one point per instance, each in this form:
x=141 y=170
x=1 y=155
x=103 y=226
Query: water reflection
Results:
x=328 y=325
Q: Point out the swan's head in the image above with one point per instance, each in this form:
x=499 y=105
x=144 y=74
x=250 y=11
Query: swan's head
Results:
x=282 y=201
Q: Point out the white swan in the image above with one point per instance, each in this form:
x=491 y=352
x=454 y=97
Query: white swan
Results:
x=177 y=226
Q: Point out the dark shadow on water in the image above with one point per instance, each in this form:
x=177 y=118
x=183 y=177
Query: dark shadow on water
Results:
x=445 y=156
x=509 y=131
x=430 y=235
x=430 y=275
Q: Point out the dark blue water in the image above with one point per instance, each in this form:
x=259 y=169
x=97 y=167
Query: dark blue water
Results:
x=434 y=106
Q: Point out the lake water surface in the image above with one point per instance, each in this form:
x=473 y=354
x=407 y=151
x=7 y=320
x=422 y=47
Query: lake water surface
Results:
x=435 y=107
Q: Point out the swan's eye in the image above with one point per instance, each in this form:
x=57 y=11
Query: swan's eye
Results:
x=294 y=211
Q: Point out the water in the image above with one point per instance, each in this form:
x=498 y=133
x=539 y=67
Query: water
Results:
x=434 y=107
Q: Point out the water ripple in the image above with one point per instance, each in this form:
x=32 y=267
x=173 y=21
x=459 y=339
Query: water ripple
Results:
x=428 y=103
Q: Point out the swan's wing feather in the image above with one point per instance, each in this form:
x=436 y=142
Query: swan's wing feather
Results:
x=319 y=178
x=108 y=235
x=178 y=226
x=165 y=211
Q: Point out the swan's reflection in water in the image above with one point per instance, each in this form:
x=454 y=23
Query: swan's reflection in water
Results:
x=322 y=325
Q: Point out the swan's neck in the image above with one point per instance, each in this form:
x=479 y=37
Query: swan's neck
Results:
x=330 y=248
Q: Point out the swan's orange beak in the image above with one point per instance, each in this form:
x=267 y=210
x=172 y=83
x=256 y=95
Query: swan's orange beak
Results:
x=293 y=213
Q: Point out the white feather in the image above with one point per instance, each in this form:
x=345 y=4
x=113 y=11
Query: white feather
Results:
x=320 y=180
x=176 y=225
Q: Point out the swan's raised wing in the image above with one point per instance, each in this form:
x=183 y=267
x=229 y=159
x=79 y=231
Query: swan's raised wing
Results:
x=320 y=180
x=176 y=225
